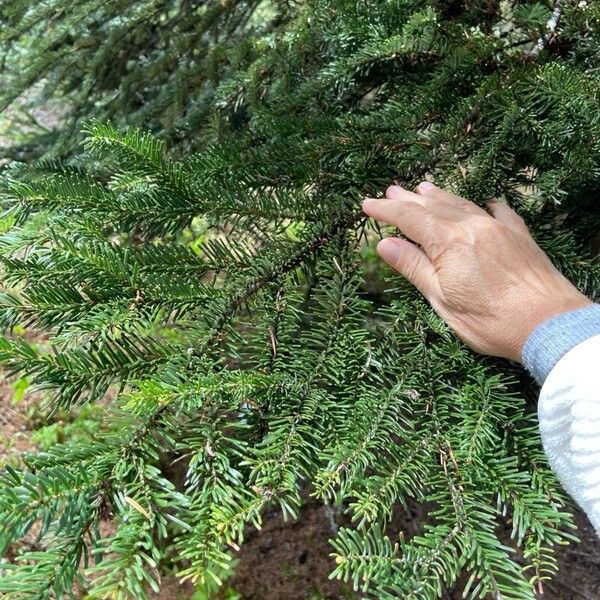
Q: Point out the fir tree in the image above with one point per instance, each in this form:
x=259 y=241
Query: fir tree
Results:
x=221 y=292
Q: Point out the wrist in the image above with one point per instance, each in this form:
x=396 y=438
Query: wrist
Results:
x=558 y=335
x=542 y=310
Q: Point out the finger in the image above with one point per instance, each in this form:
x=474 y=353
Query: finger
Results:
x=505 y=214
x=411 y=262
x=396 y=192
x=429 y=190
x=415 y=221
x=438 y=206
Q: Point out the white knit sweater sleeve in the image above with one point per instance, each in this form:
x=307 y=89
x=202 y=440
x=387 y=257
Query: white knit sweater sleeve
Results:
x=569 y=417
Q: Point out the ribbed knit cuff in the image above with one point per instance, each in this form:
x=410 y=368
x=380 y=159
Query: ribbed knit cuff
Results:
x=553 y=338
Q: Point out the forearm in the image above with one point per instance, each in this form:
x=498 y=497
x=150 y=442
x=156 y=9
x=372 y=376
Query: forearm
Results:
x=554 y=338
x=563 y=354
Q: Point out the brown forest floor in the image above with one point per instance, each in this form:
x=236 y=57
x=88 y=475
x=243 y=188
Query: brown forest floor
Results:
x=290 y=561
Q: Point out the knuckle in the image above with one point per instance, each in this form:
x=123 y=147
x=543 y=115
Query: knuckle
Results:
x=454 y=237
x=423 y=187
x=411 y=267
x=391 y=191
x=485 y=227
x=479 y=232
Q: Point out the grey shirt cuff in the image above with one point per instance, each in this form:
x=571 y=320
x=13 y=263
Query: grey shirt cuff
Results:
x=553 y=338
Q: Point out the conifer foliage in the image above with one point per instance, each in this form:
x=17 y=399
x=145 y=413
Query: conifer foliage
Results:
x=221 y=292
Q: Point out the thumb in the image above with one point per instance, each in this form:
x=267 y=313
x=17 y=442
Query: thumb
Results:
x=411 y=262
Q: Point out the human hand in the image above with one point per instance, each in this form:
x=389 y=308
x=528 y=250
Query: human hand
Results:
x=482 y=272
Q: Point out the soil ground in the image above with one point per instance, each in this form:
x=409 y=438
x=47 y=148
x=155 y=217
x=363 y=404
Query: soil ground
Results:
x=290 y=560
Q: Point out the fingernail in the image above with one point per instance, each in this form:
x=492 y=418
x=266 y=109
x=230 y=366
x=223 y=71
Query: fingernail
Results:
x=389 y=250
x=426 y=185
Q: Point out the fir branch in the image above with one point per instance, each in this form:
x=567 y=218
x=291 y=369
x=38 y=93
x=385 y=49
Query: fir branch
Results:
x=213 y=285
